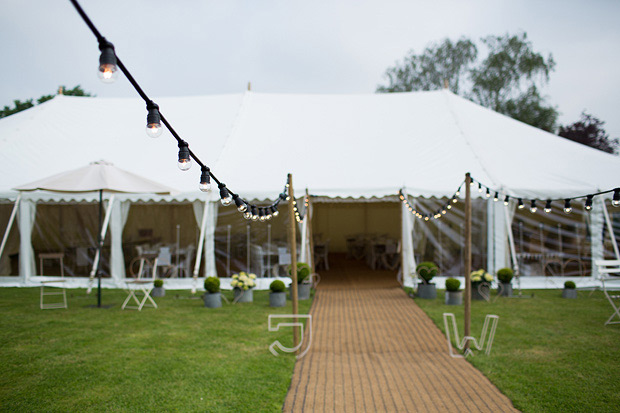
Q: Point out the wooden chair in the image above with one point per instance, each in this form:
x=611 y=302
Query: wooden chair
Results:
x=55 y=284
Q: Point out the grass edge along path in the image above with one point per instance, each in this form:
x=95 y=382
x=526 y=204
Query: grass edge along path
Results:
x=179 y=357
x=549 y=353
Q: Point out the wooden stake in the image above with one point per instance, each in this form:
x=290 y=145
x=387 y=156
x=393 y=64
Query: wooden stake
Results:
x=310 y=236
x=292 y=242
x=467 y=246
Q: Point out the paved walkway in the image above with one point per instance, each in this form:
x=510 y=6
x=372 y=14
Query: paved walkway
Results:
x=374 y=350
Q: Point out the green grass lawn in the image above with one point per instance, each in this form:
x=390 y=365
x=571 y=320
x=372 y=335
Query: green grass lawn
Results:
x=550 y=354
x=179 y=357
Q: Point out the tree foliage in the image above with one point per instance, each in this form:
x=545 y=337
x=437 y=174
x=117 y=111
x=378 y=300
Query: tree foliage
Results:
x=19 y=105
x=589 y=131
x=446 y=61
x=507 y=79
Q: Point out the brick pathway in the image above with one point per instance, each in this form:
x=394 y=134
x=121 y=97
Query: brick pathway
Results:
x=374 y=350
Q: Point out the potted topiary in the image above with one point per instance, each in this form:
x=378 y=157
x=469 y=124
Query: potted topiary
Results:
x=453 y=295
x=277 y=296
x=481 y=285
x=303 y=281
x=243 y=284
x=569 y=290
x=213 y=297
x=426 y=271
x=505 y=277
x=158 y=290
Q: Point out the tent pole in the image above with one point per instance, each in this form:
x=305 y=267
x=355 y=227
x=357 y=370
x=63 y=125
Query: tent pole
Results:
x=10 y=224
x=467 y=300
x=99 y=248
x=310 y=236
x=610 y=228
x=100 y=238
x=201 y=242
x=292 y=239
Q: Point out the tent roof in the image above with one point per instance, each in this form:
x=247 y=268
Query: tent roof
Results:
x=336 y=145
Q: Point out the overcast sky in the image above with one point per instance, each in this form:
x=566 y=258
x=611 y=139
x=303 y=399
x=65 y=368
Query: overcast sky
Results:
x=182 y=47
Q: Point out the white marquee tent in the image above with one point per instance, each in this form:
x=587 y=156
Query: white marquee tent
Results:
x=358 y=146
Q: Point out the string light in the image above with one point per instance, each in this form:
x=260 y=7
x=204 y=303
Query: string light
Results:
x=567 y=208
x=108 y=72
x=254 y=213
x=153 y=120
x=496 y=197
x=488 y=195
x=185 y=161
x=239 y=203
x=225 y=197
x=109 y=65
x=205 y=179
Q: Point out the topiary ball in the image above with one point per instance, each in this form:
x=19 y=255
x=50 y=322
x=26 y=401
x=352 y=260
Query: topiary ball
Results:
x=277 y=286
x=569 y=285
x=303 y=271
x=452 y=284
x=212 y=285
x=505 y=275
x=158 y=283
x=426 y=271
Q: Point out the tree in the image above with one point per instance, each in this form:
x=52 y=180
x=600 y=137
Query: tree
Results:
x=18 y=105
x=440 y=62
x=589 y=131
x=507 y=80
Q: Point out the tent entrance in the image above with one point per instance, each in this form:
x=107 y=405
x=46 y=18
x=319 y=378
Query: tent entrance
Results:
x=367 y=232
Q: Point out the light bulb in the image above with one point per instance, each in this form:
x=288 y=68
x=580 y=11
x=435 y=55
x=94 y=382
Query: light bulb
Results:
x=247 y=214
x=184 y=164
x=275 y=212
x=616 y=199
x=225 y=197
x=506 y=200
x=185 y=161
x=205 y=179
x=548 y=206
x=480 y=188
x=154 y=130
x=567 y=207
x=533 y=206
x=107 y=73
x=449 y=206
x=589 y=202
x=520 y=206
x=226 y=201
x=488 y=193
x=496 y=197
x=205 y=186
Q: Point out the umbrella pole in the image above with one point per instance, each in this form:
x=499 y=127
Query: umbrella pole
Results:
x=99 y=242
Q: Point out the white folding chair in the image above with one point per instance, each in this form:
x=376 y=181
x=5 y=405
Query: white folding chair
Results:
x=610 y=284
x=55 y=284
x=135 y=286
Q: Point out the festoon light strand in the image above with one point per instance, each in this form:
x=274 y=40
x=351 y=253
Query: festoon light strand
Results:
x=109 y=63
x=438 y=213
x=523 y=202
